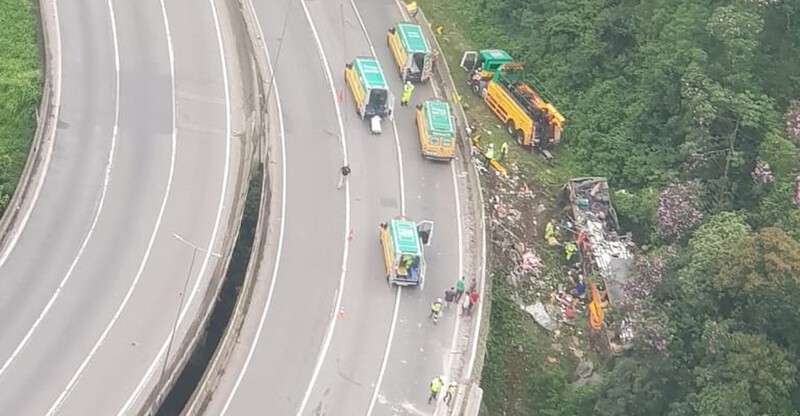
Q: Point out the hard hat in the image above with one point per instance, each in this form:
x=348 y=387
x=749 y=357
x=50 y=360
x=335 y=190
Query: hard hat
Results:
x=453 y=383
x=438 y=300
x=408 y=83
x=491 y=145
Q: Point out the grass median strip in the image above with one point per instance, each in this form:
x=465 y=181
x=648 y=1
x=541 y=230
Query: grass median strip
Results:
x=20 y=90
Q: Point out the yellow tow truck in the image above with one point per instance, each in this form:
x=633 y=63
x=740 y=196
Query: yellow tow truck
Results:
x=530 y=120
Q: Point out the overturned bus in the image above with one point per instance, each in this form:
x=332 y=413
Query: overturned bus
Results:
x=603 y=251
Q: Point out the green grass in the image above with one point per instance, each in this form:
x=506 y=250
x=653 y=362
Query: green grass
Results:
x=20 y=90
x=453 y=16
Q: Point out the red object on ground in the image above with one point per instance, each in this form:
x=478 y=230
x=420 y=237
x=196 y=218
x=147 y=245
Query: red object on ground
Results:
x=341 y=313
x=341 y=95
x=350 y=236
x=473 y=297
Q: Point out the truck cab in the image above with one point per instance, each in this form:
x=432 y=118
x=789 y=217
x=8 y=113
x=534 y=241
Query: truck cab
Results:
x=482 y=64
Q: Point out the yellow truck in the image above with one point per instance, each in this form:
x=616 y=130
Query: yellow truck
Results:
x=437 y=131
x=411 y=52
x=530 y=120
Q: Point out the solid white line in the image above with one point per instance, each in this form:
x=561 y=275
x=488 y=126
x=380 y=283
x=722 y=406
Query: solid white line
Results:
x=448 y=369
x=74 y=380
x=220 y=205
x=342 y=278
x=100 y=204
x=278 y=254
x=385 y=361
x=476 y=332
x=482 y=271
x=56 y=89
x=395 y=313
x=394 y=124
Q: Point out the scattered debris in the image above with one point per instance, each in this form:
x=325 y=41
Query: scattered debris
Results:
x=540 y=315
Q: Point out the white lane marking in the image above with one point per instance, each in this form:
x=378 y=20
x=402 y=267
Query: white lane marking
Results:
x=220 y=204
x=278 y=254
x=476 y=332
x=482 y=271
x=49 y=152
x=394 y=124
x=396 y=311
x=76 y=376
x=448 y=368
x=100 y=204
x=342 y=278
x=385 y=361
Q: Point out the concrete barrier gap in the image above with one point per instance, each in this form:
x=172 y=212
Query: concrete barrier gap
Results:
x=252 y=151
x=262 y=129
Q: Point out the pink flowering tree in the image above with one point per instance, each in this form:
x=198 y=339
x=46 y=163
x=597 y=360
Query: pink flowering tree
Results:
x=647 y=320
x=797 y=191
x=679 y=210
x=762 y=173
x=792 y=122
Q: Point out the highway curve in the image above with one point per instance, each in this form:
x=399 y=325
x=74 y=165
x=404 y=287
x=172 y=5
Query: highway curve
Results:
x=308 y=345
x=144 y=168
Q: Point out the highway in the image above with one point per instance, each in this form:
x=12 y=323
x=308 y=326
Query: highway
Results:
x=325 y=334
x=138 y=196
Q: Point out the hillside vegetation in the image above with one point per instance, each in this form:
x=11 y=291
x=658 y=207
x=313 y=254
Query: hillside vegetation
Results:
x=20 y=91
x=690 y=108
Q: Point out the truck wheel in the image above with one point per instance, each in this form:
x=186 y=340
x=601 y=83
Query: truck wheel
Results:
x=476 y=88
x=511 y=128
x=518 y=137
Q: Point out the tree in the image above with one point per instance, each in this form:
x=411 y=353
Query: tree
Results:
x=714 y=240
x=769 y=259
x=637 y=386
x=739 y=374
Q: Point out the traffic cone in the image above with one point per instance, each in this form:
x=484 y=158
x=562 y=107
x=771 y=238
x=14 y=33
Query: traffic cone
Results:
x=350 y=236
x=341 y=312
x=341 y=96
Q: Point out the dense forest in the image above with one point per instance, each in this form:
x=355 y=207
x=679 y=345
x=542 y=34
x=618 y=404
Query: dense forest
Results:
x=691 y=108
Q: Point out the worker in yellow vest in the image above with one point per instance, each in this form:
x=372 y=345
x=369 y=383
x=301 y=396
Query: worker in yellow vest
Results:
x=408 y=89
x=489 y=154
x=503 y=151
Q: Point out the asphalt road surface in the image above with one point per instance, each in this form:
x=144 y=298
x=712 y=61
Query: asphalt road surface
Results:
x=143 y=171
x=326 y=337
